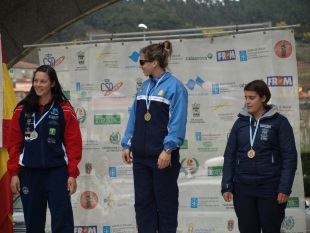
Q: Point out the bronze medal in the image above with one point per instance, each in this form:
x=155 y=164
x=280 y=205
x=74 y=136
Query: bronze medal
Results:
x=147 y=116
x=251 y=154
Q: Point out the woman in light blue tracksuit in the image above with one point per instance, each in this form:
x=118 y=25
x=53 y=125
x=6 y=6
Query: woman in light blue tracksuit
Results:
x=154 y=134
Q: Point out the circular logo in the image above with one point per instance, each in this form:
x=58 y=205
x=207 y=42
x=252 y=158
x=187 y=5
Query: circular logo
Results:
x=283 y=49
x=81 y=114
x=88 y=200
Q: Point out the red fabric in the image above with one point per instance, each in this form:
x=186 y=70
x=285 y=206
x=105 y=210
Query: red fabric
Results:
x=6 y=197
x=15 y=143
x=5 y=132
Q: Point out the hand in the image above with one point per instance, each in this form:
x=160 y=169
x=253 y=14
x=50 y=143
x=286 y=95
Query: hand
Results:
x=127 y=158
x=72 y=185
x=164 y=160
x=227 y=196
x=282 y=198
x=15 y=184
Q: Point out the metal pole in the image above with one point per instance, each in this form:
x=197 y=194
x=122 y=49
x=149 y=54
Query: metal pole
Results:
x=168 y=34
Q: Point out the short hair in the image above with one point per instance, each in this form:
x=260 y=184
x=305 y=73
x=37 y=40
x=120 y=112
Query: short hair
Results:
x=260 y=87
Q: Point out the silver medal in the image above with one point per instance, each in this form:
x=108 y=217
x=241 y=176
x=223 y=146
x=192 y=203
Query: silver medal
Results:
x=33 y=135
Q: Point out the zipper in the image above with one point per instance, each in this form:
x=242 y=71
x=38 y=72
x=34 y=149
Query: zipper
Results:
x=145 y=129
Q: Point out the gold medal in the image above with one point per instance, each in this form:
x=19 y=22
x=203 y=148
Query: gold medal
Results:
x=147 y=116
x=251 y=154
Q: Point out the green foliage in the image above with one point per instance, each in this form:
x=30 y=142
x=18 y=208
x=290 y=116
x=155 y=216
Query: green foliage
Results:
x=126 y=15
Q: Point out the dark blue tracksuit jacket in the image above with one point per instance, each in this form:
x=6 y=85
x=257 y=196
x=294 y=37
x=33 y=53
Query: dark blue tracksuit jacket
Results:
x=274 y=145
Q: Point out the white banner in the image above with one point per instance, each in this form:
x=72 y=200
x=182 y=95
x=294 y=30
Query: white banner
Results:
x=101 y=81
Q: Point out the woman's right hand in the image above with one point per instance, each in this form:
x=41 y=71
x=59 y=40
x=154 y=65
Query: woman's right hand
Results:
x=15 y=184
x=127 y=158
x=227 y=196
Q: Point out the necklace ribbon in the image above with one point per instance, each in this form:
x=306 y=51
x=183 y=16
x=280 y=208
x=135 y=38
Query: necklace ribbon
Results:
x=34 y=134
x=251 y=152
x=147 y=115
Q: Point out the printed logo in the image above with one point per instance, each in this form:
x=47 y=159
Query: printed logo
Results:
x=88 y=168
x=274 y=81
x=283 y=49
x=88 y=200
x=243 y=55
x=112 y=172
x=215 y=171
x=81 y=57
x=107 y=119
x=106 y=229
x=288 y=222
x=52 y=131
x=134 y=56
x=50 y=60
x=85 y=229
x=216 y=107
x=189 y=166
x=78 y=86
x=230 y=225
x=81 y=115
x=190 y=228
x=198 y=136
x=139 y=83
x=293 y=202
x=54 y=111
x=200 y=58
x=192 y=83
x=115 y=138
x=196 y=110
x=194 y=202
x=25 y=190
x=67 y=94
x=215 y=89
x=107 y=87
x=226 y=55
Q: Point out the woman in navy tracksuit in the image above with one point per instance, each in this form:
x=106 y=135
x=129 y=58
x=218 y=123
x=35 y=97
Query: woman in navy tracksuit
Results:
x=260 y=161
x=45 y=147
x=154 y=134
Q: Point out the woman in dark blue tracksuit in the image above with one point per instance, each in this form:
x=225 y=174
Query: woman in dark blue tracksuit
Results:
x=154 y=134
x=260 y=161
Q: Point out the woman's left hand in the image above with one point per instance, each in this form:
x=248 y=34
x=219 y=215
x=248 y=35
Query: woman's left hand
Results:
x=72 y=185
x=282 y=198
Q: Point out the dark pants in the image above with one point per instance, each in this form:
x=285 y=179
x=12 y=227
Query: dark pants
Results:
x=156 y=195
x=42 y=186
x=257 y=208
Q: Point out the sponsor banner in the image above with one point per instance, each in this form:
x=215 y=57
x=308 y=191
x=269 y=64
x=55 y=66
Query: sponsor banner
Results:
x=101 y=81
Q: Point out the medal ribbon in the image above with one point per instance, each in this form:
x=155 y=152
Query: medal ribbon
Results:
x=34 y=118
x=148 y=101
x=252 y=138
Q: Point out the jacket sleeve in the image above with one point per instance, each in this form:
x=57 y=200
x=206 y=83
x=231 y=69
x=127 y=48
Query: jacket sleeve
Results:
x=126 y=141
x=288 y=153
x=15 y=143
x=73 y=140
x=178 y=118
x=229 y=161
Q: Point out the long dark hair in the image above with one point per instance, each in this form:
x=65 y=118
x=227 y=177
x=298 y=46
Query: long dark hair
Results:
x=31 y=100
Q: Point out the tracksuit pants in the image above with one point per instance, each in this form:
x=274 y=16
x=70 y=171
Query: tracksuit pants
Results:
x=40 y=187
x=257 y=208
x=156 y=195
